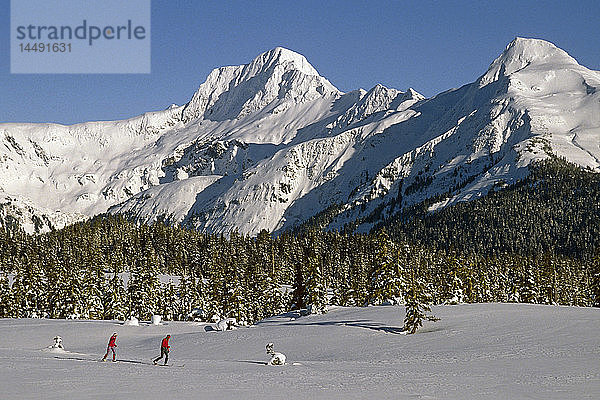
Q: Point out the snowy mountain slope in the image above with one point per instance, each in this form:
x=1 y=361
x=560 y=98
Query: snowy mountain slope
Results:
x=476 y=351
x=269 y=144
x=232 y=92
x=259 y=197
x=534 y=99
x=87 y=168
x=82 y=168
x=33 y=218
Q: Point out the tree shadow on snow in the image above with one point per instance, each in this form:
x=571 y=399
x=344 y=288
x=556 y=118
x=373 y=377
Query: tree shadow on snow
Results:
x=276 y=319
x=357 y=323
x=252 y=362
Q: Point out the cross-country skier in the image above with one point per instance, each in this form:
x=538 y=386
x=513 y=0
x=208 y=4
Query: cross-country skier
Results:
x=164 y=350
x=112 y=344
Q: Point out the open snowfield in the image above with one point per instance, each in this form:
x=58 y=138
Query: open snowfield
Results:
x=482 y=351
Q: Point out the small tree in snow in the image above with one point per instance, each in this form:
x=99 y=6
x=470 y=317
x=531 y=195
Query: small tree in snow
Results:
x=417 y=302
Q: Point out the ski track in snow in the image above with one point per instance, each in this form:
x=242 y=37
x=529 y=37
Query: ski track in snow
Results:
x=482 y=351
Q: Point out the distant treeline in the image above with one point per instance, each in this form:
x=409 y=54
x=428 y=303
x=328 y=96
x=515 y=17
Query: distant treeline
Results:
x=534 y=242
x=556 y=209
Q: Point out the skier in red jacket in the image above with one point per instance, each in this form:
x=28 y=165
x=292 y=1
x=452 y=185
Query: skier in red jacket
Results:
x=164 y=350
x=112 y=344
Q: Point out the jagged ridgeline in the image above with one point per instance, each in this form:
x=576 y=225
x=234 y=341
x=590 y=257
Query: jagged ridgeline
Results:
x=531 y=242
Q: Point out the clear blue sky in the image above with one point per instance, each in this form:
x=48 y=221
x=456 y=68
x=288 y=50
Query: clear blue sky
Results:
x=428 y=45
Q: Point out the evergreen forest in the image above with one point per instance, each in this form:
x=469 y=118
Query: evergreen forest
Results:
x=533 y=242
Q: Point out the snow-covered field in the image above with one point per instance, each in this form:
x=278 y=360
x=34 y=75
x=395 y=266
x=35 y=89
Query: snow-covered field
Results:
x=483 y=351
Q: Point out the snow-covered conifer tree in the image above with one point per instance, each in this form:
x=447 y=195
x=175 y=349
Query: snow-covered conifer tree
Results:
x=596 y=281
x=184 y=301
x=343 y=293
x=417 y=301
x=513 y=286
x=529 y=284
x=31 y=291
x=359 y=274
x=167 y=301
x=299 y=288
x=91 y=294
x=453 y=292
x=143 y=287
x=115 y=298
x=200 y=297
x=6 y=299
x=316 y=288
x=386 y=280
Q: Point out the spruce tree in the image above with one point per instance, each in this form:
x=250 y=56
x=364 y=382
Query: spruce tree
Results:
x=417 y=301
x=596 y=281
x=217 y=290
x=19 y=298
x=316 y=289
x=315 y=297
x=343 y=293
x=33 y=296
x=200 y=294
x=92 y=293
x=386 y=281
x=235 y=304
x=186 y=292
x=167 y=301
x=114 y=300
x=6 y=299
x=275 y=300
x=298 y=294
x=143 y=287
x=529 y=285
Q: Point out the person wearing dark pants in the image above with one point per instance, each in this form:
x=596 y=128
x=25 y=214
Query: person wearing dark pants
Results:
x=164 y=350
x=112 y=345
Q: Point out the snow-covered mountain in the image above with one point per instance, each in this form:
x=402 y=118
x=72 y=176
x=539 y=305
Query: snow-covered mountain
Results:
x=269 y=144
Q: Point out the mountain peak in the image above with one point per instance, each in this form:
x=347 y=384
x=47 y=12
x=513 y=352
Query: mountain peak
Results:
x=534 y=51
x=234 y=91
x=521 y=53
x=281 y=56
x=413 y=94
